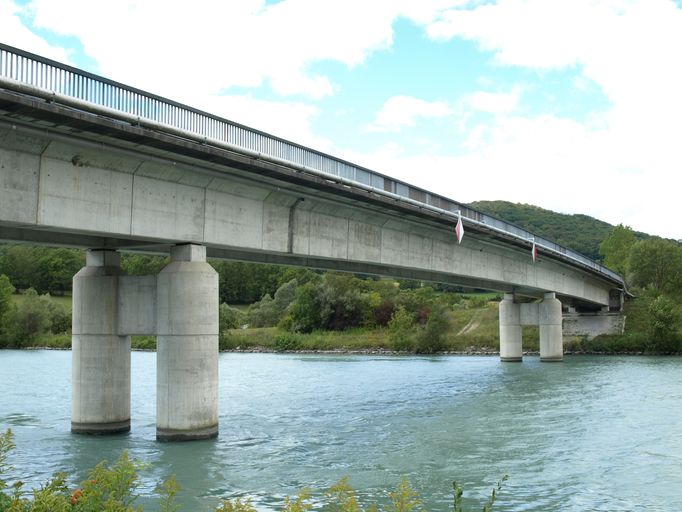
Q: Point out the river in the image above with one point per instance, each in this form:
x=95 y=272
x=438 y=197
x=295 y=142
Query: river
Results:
x=591 y=433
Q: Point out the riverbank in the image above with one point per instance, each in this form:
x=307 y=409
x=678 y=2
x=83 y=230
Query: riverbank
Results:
x=469 y=330
x=369 y=342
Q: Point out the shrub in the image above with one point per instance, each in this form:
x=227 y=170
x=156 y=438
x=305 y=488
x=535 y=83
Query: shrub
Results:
x=286 y=342
x=236 y=506
x=269 y=311
x=115 y=489
x=305 y=311
x=144 y=342
x=663 y=326
x=477 y=302
x=404 y=498
x=6 y=307
x=227 y=341
x=384 y=312
x=431 y=339
x=229 y=318
x=59 y=315
x=400 y=330
x=30 y=318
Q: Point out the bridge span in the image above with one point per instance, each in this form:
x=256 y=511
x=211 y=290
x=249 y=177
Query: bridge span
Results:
x=88 y=162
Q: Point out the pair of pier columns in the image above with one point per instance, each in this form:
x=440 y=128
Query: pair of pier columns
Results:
x=180 y=306
x=546 y=314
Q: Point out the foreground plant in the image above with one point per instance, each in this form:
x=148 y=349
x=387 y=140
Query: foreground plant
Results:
x=114 y=488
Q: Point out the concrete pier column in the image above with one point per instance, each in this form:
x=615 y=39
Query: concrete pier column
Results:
x=510 y=329
x=100 y=358
x=187 y=347
x=551 y=336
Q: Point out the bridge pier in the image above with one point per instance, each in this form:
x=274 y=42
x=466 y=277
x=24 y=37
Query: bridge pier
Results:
x=510 y=329
x=551 y=335
x=187 y=347
x=100 y=357
x=546 y=314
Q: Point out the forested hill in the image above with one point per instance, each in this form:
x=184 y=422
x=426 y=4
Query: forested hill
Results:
x=581 y=233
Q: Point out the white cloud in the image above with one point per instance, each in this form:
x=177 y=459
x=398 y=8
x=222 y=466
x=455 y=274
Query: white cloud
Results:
x=207 y=46
x=619 y=165
x=14 y=33
x=493 y=102
x=401 y=111
x=288 y=120
x=547 y=161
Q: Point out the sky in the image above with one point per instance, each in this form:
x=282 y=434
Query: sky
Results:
x=570 y=105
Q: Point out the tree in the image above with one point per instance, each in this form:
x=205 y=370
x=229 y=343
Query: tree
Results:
x=400 y=330
x=431 y=338
x=656 y=263
x=616 y=248
x=6 y=291
x=663 y=327
x=6 y=306
x=305 y=311
x=229 y=318
x=19 y=263
x=43 y=268
x=55 y=270
x=268 y=311
x=143 y=264
x=28 y=319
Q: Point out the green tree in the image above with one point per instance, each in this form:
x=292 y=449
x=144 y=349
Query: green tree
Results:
x=663 y=326
x=143 y=264
x=30 y=318
x=305 y=311
x=400 y=330
x=20 y=263
x=6 y=291
x=656 y=263
x=59 y=315
x=55 y=270
x=431 y=338
x=616 y=248
x=268 y=311
x=229 y=318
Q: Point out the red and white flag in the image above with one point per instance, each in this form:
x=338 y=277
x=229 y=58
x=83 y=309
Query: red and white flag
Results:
x=459 y=229
x=534 y=252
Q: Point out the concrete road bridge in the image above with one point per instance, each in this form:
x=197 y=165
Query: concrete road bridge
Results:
x=92 y=163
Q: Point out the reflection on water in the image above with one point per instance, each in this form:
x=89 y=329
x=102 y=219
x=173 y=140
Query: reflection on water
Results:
x=592 y=433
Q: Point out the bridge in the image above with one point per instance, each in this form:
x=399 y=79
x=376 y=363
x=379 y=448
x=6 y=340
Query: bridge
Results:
x=92 y=163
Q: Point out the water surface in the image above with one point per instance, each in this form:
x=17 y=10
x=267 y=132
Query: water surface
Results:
x=591 y=433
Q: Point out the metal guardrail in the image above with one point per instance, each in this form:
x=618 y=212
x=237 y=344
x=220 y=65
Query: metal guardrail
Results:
x=63 y=80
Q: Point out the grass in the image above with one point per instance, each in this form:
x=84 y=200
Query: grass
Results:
x=64 y=300
x=470 y=330
x=267 y=338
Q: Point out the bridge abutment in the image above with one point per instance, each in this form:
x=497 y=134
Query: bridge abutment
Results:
x=187 y=347
x=100 y=357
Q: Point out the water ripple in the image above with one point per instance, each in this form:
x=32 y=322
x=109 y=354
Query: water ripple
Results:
x=593 y=433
